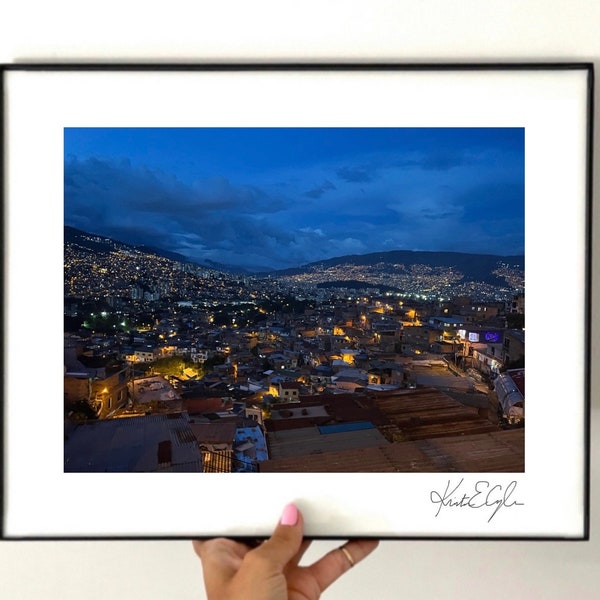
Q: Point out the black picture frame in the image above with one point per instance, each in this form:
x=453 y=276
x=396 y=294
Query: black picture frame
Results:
x=552 y=101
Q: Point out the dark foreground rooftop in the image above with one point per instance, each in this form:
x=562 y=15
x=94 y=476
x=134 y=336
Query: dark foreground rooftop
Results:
x=497 y=452
x=136 y=444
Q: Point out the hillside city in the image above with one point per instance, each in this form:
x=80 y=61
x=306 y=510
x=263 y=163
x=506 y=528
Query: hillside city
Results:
x=173 y=366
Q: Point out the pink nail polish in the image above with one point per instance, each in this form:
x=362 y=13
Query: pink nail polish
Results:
x=290 y=515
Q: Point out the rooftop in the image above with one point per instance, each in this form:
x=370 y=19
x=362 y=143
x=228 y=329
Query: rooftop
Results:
x=214 y=433
x=429 y=413
x=203 y=405
x=518 y=334
x=497 y=451
x=250 y=441
x=153 y=389
x=134 y=444
x=321 y=441
x=518 y=377
x=295 y=412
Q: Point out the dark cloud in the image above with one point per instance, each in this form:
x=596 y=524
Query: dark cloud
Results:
x=436 y=215
x=142 y=206
x=318 y=191
x=434 y=161
x=119 y=184
x=441 y=162
x=355 y=174
x=412 y=196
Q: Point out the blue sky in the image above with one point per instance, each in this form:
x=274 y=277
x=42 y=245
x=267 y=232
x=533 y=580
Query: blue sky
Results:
x=279 y=197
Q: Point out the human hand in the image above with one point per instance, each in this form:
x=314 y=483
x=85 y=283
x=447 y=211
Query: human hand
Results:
x=234 y=571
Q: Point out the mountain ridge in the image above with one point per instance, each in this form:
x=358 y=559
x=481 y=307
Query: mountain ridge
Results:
x=441 y=259
x=472 y=266
x=476 y=267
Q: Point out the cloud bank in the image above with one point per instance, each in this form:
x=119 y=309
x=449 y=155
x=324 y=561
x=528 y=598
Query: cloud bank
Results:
x=469 y=199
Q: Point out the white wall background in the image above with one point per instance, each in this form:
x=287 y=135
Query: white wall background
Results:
x=268 y=30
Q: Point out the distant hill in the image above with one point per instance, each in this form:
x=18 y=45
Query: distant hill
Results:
x=164 y=253
x=236 y=269
x=90 y=241
x=101 y=244
x=353 y=284
x=475 y=267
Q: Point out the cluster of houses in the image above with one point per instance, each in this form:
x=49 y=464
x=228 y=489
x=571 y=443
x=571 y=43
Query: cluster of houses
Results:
x=329 y=382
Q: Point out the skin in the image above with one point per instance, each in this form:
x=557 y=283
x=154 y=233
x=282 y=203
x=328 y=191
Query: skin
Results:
x=271 y=571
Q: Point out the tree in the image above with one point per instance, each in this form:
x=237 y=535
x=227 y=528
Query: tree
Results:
x=80 y=410
x=172 y=365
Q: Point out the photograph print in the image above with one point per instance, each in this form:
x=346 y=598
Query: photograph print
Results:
x=294 y=300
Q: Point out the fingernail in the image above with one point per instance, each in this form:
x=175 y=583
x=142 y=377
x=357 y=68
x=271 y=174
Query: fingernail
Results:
x=290 y=515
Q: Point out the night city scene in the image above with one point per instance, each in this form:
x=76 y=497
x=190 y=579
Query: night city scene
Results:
x=294 y=300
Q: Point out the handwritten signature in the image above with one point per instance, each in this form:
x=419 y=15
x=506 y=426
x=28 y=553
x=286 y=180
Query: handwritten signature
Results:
x=483 y=494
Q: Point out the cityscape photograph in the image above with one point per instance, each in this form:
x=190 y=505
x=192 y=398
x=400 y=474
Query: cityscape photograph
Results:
x=294 y=300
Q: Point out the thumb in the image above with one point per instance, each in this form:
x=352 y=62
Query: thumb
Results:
x=286 y=540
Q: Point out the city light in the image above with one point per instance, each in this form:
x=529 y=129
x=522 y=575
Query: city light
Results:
x=230 y=337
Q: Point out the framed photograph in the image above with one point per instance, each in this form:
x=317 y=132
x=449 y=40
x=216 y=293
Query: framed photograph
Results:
x=231 y=287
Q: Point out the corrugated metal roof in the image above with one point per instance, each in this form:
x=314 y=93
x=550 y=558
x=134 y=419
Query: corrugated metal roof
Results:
x=428 y=413
x=132 y=445
x=437 y=433
x=518 y=376
x=309 y=440
x=215 y=432
x=496 y=452
x=510 y=389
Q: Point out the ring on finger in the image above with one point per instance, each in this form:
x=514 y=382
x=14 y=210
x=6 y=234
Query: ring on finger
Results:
x=347 y=554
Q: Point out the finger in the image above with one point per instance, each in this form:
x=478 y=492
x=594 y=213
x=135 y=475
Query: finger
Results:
x=221 y=558
x=219 y=549
x=285 y=543
x=295 y=560
x=336 y=562
x=249 y=541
